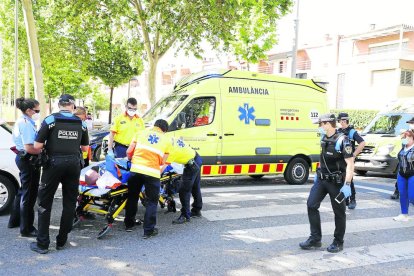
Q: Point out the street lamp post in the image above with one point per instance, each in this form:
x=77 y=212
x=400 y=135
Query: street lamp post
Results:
x=134 y=82
x=16 y=43
x=1 y=78
x=295 y=43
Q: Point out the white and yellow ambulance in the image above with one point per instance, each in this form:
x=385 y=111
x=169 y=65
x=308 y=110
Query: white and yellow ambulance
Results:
x=383 y=138
x=244 y=123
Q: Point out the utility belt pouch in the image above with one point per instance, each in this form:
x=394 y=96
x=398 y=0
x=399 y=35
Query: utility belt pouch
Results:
x=338 y=178
x=23 y=155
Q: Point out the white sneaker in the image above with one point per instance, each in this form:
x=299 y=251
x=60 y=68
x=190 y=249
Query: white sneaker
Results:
x=401 y=217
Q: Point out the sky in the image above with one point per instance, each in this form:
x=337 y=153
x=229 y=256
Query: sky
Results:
x=343 y=17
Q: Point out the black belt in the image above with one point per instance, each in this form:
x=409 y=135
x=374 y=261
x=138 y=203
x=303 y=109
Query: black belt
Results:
x=24 y=154
x=192 y=161
x=63 y=155
x=328 y=176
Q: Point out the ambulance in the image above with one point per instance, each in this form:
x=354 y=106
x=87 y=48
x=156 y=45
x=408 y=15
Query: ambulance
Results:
x=382 y=138
x=244 y=123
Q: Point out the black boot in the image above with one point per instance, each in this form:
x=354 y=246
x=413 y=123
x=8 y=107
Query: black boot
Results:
x=335 y=247
x=310 y=244
x=395 y=195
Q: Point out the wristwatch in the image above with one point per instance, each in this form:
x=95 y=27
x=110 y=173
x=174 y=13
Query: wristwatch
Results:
x=348 y=183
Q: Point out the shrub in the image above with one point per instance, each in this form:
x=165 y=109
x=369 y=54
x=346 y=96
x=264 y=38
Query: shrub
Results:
x=358 y=118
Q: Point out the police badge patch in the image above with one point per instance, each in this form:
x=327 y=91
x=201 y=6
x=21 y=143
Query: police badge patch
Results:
x=348 y=149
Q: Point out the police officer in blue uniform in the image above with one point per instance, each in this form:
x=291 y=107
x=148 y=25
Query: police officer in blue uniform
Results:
x=24 y=134
x=353 y=136
x=334 y=178
x=61 y=134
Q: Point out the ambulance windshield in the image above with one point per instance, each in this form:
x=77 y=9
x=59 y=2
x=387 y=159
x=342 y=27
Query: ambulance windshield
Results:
x=164 y=108
x=388 y=124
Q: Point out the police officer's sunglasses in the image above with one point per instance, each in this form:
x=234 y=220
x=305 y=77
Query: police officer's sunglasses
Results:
x=36 y=110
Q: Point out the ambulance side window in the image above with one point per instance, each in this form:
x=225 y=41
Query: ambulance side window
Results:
x=198 y=112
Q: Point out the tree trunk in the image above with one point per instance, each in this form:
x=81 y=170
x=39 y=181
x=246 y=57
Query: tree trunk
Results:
x=34 y=55
x=50 y=104
x=26 y=79
x=152 y=79
x=110 y=106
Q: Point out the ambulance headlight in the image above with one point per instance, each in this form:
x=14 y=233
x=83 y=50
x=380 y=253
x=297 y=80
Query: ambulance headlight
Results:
x=385 y=150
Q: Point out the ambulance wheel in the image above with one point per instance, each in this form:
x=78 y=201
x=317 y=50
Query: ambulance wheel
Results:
x=297 y=171
x=359 y=172
x=256 y=176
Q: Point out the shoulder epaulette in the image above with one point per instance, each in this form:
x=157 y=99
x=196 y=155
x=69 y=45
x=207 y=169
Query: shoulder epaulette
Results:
x=50 y=119
x=339 y=141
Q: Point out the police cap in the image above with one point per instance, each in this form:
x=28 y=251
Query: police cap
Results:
x=343 y=116
x=411 y=121
x=329 y=117
x=66 y=99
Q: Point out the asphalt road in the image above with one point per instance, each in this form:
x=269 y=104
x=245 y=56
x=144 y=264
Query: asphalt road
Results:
x=249 y=227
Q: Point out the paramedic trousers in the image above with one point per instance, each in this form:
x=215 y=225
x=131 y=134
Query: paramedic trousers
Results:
x=120 y=150
x=65 y=170
x=190 y=185
x=318 y=192
x=152 y=192
x=23 y=206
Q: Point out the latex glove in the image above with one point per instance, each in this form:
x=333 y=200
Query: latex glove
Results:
x=346 y=190
x=111 y=153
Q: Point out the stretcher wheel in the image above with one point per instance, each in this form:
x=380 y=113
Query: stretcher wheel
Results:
x=77 y=220
x=171 y=206
x=105 y=231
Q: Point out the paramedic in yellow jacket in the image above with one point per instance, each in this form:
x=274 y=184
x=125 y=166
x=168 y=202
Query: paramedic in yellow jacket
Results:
x=147 y=152
x=124 y=128
x=182 y=153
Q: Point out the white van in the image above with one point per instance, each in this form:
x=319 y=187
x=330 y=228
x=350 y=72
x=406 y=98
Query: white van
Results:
x=382 y=138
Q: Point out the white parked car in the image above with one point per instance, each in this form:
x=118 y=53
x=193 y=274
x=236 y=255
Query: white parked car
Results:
x=9 y=173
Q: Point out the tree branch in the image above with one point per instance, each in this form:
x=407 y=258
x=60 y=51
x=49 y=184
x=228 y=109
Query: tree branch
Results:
x=157 y=40
x=168 y=45
x=144 y=27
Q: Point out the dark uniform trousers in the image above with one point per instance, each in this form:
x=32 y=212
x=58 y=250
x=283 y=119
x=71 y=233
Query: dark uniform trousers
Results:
x=120 y=150
x=23 y=212
x=65 y=170
x=318 y=192
x=152 y=191
x=190 y=185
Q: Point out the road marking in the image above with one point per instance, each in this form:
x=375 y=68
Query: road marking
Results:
x=235 y=212
x=375 y=189
x=322 y=261
x=255 y=188
x=270 y=234
x=233 y=197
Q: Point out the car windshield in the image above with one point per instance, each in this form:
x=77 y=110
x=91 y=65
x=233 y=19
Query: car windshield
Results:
x=388 y=124
x=6 y=127
x=164 y=108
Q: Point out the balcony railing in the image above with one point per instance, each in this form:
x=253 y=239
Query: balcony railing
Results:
x=385 y=55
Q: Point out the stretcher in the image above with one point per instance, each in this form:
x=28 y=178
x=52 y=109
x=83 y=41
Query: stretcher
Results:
x=110 y=200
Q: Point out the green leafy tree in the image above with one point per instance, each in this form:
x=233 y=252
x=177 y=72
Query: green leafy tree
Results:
x=185 y=24
x=97 y=101
x=110 y=62
x=255 y=33
x=63 y=70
